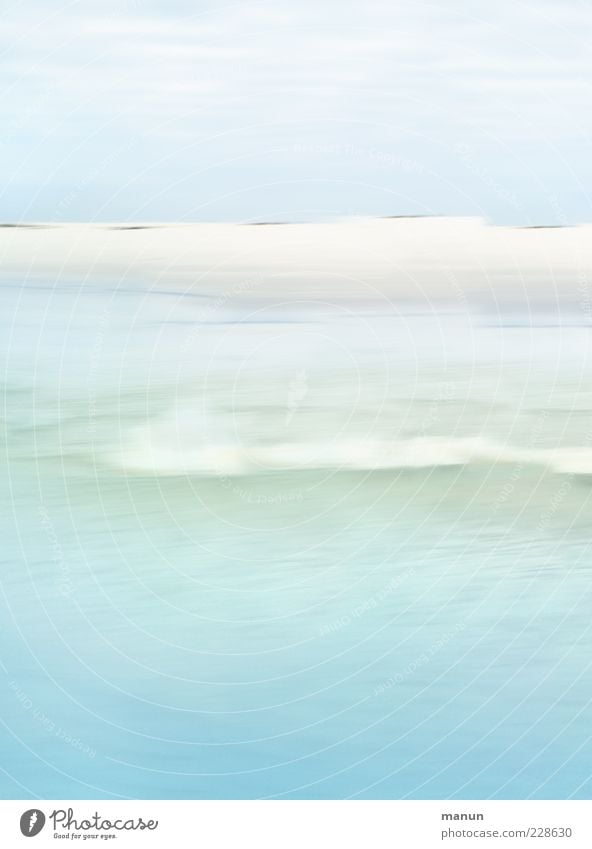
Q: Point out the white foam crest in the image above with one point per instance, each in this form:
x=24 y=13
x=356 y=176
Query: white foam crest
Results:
x=156 y=449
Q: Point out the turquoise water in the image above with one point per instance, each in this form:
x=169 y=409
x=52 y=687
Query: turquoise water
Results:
x=292 y=550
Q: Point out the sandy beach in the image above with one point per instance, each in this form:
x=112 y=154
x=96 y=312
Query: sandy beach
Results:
x=460 y=263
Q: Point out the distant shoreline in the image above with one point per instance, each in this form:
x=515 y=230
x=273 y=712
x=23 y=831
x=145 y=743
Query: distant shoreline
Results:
x=464 y=263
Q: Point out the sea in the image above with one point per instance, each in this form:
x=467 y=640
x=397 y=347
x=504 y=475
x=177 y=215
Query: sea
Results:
x=292 y=549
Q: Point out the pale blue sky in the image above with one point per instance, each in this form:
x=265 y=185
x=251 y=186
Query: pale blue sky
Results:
x=138 y=110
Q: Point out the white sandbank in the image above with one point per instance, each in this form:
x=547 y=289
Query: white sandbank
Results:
x=457 y=262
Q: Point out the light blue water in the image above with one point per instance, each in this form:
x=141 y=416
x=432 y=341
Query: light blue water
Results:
x=253 y=551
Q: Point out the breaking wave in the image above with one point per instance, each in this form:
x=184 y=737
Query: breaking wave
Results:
x=155 y=449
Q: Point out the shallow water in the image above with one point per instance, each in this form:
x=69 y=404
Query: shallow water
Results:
x=292 y=550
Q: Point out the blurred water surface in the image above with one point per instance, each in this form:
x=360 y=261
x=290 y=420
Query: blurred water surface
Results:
x=294 y=549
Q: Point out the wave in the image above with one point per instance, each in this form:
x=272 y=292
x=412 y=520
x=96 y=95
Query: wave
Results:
x=153 y=451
